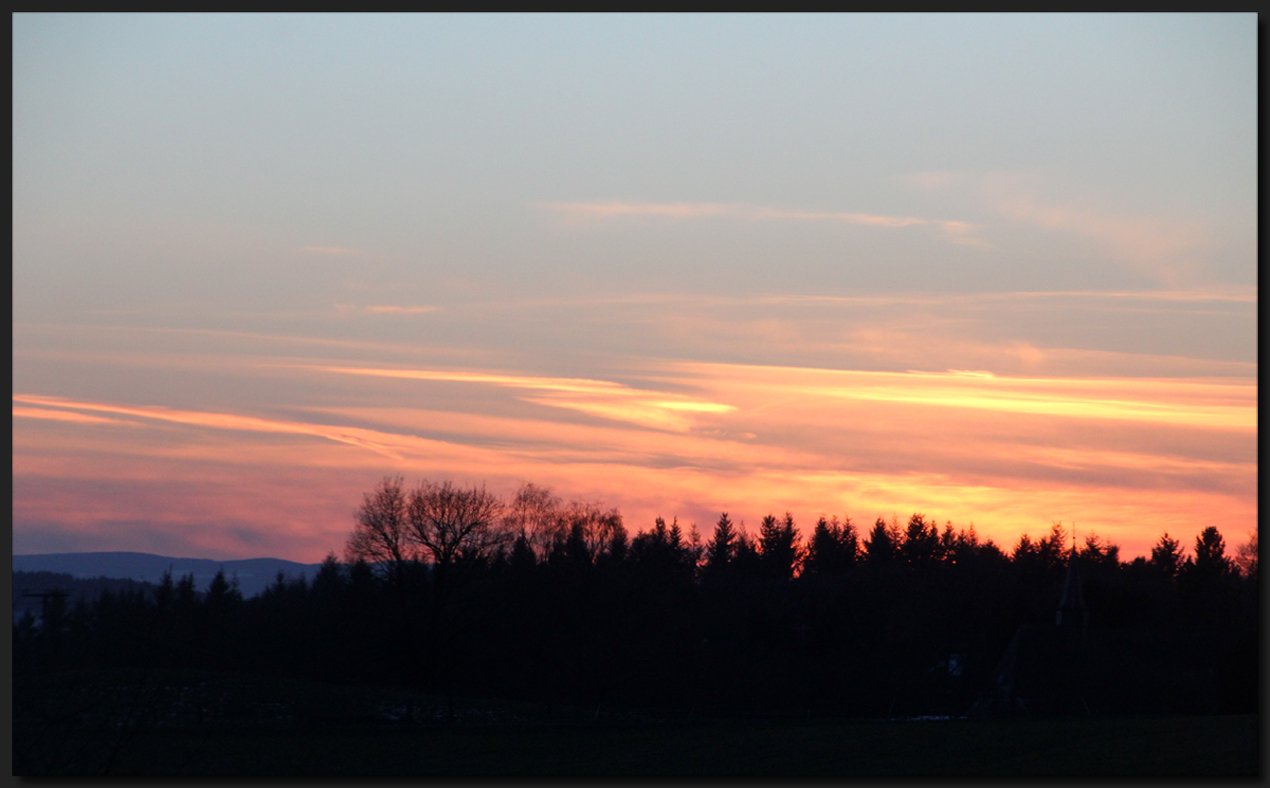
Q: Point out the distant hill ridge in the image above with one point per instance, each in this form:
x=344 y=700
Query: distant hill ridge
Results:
x=253 y=574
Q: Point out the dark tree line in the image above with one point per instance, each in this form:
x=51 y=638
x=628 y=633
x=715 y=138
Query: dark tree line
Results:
x=452 y=591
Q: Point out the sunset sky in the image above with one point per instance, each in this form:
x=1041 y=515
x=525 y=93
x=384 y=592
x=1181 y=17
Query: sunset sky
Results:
x=999 y=270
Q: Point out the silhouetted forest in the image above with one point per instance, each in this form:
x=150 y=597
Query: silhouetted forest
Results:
x=29 y=589
x=451 y=591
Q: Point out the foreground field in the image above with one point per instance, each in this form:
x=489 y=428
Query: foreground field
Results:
x=1154 y=747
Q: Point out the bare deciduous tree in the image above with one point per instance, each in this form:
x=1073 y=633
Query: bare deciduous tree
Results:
x=454 y=523
x=536 y=515
x=381 y=534
x=596 y=527
x=439 y=523
x=1246 y=557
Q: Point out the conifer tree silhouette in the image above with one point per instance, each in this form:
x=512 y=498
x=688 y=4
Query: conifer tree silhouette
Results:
x=721 y=546
x=880 y=546
x=780 y=548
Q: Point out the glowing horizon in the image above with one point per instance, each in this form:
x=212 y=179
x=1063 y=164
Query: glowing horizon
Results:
x=706 y=436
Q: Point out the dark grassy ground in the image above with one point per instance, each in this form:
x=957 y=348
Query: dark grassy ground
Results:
x=1155 y=747
x=194 y=723
x=1159 y=747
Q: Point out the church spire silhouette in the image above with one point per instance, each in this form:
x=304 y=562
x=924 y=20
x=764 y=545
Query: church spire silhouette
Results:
x=1071 y=606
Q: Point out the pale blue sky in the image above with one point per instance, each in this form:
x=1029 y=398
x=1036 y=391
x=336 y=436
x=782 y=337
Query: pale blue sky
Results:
x=158 y=157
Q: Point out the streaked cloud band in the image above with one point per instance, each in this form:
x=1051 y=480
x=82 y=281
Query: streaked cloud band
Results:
x=955 y=231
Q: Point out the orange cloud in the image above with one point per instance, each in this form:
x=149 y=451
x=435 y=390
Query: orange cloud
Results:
x=799 y=405
x=596 y=397
x=1213 y=404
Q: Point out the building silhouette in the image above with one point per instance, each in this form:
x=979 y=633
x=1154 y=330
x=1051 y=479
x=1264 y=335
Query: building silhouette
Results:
x=1046 y=669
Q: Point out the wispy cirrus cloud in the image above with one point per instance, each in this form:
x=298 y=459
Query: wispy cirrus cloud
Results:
x=603 y=398
x=955 y=231
x=21 y=412
x=1226 y=294
x=1159 y=246
x=1168 y=247
x=400 y=310
x=995 y=331
x=332 y=250
x=367 y=439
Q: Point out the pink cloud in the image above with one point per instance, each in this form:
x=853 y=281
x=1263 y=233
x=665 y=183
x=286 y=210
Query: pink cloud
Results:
x=1167 y=247
x=66 y=415
x=227 y=421
x=955 y=231
x=660 y=410
x=400 y=310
